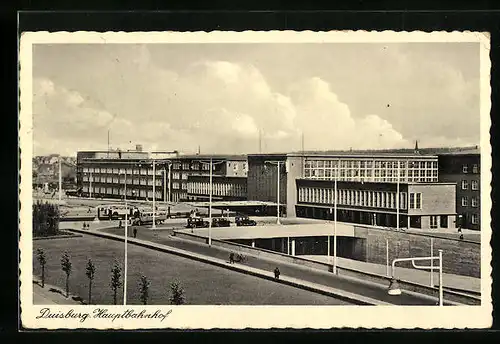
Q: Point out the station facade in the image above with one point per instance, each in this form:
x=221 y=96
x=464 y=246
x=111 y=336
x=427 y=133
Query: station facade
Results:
x=367 y=187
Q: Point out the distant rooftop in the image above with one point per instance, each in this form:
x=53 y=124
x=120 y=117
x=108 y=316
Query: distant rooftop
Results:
x=402 y=151
x=214 y=156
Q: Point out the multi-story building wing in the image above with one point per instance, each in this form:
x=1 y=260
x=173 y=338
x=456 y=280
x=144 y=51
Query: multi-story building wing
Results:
x=176 y=178
x=463 y=168
x=229 y=177
x=367 y=187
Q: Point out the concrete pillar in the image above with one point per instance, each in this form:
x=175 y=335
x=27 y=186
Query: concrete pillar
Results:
x=293 y=247
x=253 y=243
x=288 y=245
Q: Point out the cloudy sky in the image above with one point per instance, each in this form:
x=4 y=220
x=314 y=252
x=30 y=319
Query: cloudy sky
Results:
x=220 y=96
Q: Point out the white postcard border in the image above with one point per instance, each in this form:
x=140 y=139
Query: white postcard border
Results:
x=241 y=317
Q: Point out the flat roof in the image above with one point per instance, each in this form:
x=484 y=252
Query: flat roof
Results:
x=370 y=182
x=276 y=231
x=239 y=157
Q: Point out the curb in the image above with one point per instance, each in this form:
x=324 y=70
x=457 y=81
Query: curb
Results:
x=339 y=294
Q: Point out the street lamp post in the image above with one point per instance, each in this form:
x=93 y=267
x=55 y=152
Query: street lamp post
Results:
x=154 y=194
x=60 y=179
x=90 y=182
x=277 y=163
x=126 y=241
x=397 y=199
x=165 y=198
x=211 y=163
x=335 y=218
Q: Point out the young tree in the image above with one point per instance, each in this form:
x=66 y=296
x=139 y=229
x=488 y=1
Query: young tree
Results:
x=90 y=272
x=66 y=267
x=177 y=294
x=40 y=255
x=144 y=289
x=116 y=283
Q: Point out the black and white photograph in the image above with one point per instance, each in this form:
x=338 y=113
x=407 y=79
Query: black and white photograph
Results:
x=255 y=180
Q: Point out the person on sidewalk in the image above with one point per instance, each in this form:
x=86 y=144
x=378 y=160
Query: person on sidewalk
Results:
x=231 y=258
x=277 y=273
x=135 y=232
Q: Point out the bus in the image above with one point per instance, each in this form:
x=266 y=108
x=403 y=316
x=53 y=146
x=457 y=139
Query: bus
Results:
x=145 y=216
x=113 y=211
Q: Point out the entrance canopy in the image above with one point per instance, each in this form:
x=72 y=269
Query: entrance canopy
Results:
x=277 y=231
x=220 y=204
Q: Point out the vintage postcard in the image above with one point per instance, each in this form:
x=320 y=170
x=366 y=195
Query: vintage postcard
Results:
x=261 y=180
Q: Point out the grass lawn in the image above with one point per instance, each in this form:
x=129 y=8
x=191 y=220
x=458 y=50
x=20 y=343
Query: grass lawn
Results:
x=203 y=283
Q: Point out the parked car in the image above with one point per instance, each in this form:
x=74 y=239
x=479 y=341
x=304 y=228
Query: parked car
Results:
x=197 y=222
x=244 y=220
x=221 y=222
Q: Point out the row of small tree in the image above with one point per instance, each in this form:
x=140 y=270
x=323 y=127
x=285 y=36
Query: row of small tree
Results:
x=176 y=291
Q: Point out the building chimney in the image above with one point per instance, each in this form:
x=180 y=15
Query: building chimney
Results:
x=138 y=148
x=416 y=147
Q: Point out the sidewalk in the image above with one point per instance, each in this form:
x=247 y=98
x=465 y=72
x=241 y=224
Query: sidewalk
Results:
x=43 y=296
x=464 y=283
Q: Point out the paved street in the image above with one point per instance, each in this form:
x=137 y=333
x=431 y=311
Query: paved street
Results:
x=323 y=278
x=204 y=284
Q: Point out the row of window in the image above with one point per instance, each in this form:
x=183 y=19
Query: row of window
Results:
x=205 y=165
x=373 y=199
x=117 y=171
x=372 y=170
x=415 y=200
x=218 y=189
x=371 y=163
x=177 y=185
x=434 y=221
x=474 y=185
x=474 y=201
x=120 y=191
x=475 y=168
x=121 y=180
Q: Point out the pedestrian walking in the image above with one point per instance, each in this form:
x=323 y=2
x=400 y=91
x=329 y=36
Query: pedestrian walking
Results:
x=277 y=273
x=135 y=232
x=84 y=225
x=120 y=224
x=231 y=258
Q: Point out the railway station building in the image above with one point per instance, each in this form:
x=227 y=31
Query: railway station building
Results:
x=368 y=187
